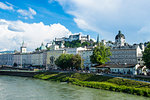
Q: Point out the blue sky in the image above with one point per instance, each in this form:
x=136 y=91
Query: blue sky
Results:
x=36 y=21
x=46 y=12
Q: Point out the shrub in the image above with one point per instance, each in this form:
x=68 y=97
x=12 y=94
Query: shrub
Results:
x=100 y=82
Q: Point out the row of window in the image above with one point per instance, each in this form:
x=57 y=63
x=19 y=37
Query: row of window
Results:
x=123 y=56
x=124 y=51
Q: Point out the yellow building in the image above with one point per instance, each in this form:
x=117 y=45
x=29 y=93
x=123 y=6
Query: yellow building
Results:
x=52 y=55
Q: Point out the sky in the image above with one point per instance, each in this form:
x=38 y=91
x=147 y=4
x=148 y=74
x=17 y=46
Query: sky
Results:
x=37 y=21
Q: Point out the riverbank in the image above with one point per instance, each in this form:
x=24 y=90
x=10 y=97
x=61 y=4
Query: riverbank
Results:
x=26 y=88
x=99 y=82
x=19 y=73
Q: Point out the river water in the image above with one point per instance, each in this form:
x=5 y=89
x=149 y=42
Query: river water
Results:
x=22 y=88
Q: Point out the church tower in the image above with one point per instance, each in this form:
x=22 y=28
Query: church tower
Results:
x=97 y=39
x=120 y=39
x=23 y=48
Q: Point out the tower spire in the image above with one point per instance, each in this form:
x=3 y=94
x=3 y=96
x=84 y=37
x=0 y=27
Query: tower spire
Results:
x=23 y=48
x=98 y=38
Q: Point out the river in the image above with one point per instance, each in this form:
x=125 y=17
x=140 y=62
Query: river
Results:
x=22 y=88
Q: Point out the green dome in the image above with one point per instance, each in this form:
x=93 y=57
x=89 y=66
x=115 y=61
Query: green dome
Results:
x=42 y=47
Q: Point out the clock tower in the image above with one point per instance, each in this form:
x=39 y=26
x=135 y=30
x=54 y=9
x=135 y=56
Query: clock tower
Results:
x=23 y=48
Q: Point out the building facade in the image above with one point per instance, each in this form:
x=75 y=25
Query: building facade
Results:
x=51 y=56
x=85 y=55
x=129 y=69
x=22 y=59
x=123 y=53
x=6 y=59
x=73 y=50
x=23 y=48
x=73 y=37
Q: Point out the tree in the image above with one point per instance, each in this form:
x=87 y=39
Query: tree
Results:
x=73 y=44
x=100 y=55
x=86 y=44
x=48 y=48
x=76 y=62
x=63 y=61
x=37 y=49
x=69 y=61
x=146 y=56
x=15 y=65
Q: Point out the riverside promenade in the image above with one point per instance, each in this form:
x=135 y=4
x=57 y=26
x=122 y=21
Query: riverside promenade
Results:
x=29 y=73
x=20 y=73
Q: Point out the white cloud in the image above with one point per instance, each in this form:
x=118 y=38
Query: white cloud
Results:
x=33 y=34
x=144 y=32
x=81 y=23
x=6 y=6
x=27 y=13
x=107 y=16
x=32 y=11
x=145 y=29
x=15 y=28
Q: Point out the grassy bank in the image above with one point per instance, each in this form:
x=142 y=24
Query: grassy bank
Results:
x=100 y=82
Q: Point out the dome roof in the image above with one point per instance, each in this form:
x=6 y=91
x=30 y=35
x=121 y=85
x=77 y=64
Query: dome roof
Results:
x=42 y=47
x=120 y=35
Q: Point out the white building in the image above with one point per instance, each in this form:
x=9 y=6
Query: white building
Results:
x=6 y=59
x=78 y=37
x=53 y=46
x=22 y=59
x=120 y=39
x=23 y=48
x=73 y=50
x=127 y=55
x=130 y=69
x=37 y=59
x=124 y=69
x=30 y=59
x=123 y=53
x=85 y=55
x=72 y=37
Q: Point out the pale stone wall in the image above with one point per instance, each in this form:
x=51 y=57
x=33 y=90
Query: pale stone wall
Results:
x=85 y=55
x=6 y=59
x=55 y=54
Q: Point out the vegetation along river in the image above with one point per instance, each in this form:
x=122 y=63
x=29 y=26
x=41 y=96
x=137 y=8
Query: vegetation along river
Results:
x=22 y=88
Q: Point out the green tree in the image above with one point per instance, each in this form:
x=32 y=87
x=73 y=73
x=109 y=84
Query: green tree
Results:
x=73 y=44
x=37 y=49
x=69 y=61
x=86 y=44
x=15 y=65
x=63 y=61
x=146 y=56
x=76 y=62
x=48 y=48
x=100 y=55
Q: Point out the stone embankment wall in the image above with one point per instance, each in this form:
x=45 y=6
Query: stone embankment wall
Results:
x=23 y=74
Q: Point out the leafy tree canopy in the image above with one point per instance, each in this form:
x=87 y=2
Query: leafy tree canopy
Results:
x=73 y=44
x=37 y=49
x=100 y=55
x=146 y=56
x=69 y=61
x=77 y=43
x=15 y=65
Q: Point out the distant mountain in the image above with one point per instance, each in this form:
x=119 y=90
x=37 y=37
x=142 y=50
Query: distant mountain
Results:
x=6 y=51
